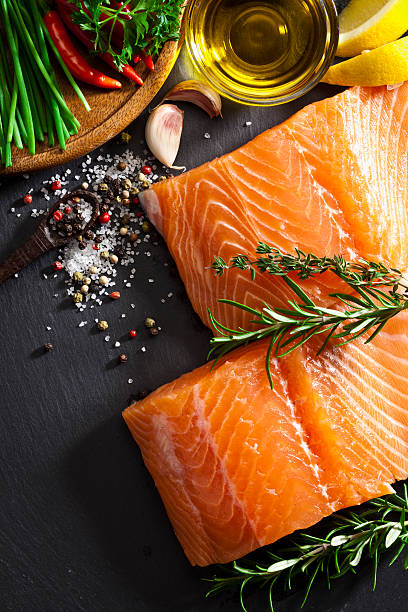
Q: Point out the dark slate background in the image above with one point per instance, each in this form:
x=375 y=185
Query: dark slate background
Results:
x=81 y=525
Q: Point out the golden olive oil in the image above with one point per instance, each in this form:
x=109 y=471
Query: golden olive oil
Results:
x=260 y=51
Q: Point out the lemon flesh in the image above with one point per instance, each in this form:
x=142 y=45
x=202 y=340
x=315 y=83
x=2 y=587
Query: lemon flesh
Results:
x=368 y=24
x=387 y=65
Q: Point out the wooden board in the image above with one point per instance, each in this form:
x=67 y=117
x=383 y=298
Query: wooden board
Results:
x=111 y=112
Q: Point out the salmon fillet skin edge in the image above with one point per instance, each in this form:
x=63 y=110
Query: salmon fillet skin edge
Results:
x=239 y=465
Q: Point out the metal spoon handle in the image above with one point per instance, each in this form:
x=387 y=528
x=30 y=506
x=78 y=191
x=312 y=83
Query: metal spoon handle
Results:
x=36 y=245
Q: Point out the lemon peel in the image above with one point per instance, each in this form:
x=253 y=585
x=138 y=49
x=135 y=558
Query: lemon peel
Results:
x=369 y=24
x=387 y=65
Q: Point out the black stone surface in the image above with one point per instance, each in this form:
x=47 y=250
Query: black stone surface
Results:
x=81 y=525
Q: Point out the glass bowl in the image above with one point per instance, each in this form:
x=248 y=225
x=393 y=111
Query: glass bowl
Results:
x=214 y=54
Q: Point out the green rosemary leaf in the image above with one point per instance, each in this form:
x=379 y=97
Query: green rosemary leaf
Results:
x=295 y=325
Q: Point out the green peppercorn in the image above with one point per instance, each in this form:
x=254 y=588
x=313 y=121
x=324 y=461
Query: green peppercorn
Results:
x=77 y=276
x=77 y=298
x=105 y=254
x=103 y=187
x=125 y=137
x=149 y=322
x=103 y=325
x=145 y=226
x=126 y=183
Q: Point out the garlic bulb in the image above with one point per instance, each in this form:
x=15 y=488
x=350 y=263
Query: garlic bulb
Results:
x=197 y=93
x=163 y=133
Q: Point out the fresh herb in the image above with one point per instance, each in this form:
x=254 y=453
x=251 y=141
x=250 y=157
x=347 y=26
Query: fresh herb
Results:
x=31 y=101
x=379 y=294
x=353 y=538
x=145 y=26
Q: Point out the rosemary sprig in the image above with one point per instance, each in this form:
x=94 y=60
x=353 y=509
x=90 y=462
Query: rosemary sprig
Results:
x=379 y=294
x=353 y=537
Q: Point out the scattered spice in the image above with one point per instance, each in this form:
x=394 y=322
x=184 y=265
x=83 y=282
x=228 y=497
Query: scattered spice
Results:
x=121 y=165
x=103 y=325
x=105 y=254
x=57 y=215
x=77 y=297
x=123 y=358
x=125 y=137
x=56 y=185
x=153 y=331
x=104 y=280
x=28 y=198
x=114 y=258
x=93 y=269
x=84 y=289
x=105 y=218
x=48 y=347
x=57 y=266
x=132 y=333
x=146 y=170
x=115 y=295
x=77 y=276
x=123 y=231
x=149 y=322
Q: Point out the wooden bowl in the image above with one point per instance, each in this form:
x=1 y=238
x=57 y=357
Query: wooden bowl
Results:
x=111 y=112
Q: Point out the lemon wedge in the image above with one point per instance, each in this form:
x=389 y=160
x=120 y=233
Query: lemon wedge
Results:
x=387 y=65
x=368 y=24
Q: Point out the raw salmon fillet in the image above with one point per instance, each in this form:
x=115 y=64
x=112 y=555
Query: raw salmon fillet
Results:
x=332 y=179
x=239 y=466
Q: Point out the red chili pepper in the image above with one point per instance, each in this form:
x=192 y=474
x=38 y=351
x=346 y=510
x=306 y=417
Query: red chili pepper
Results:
x=132 y=333
x=148 y=60
x=57 y=215
x=55 y=185
x=75 y=63
x=86 y=39
x=67 y=210
x=28 y=198
x=146 y=170
x=57 y=265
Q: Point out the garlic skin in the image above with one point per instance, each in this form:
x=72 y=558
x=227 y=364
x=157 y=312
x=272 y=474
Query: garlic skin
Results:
x=198 y=93
x=163 y=133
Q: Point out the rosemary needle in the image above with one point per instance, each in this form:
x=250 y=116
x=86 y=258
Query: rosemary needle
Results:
x=379 y=294
x=352 y=538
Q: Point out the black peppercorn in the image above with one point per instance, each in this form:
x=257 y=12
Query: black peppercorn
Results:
x=82 y=245
x=119 y=251
x=77 y=227
x=89 y=235
x=98 y=239
x=68 y=228
x=79 y=216
x=48 y=347
x=77 y=209
x=123 y=358
x=153 y=331
x=104 y=208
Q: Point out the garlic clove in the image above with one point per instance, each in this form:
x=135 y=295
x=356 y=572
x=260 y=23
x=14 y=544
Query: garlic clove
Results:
x=163 y=133
x=198 y=93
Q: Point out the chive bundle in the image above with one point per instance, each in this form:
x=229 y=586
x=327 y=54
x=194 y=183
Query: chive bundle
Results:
x=32 y=106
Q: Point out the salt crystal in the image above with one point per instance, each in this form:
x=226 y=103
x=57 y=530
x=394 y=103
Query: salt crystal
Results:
x=248 y=123
x=207 y=135
x=123 y=316
x=107 y=338
x=143 y=349
x=48 y=328
x=117 y=344
x=130 y=381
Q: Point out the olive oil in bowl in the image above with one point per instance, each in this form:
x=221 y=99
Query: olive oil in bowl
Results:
x=262 y=52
